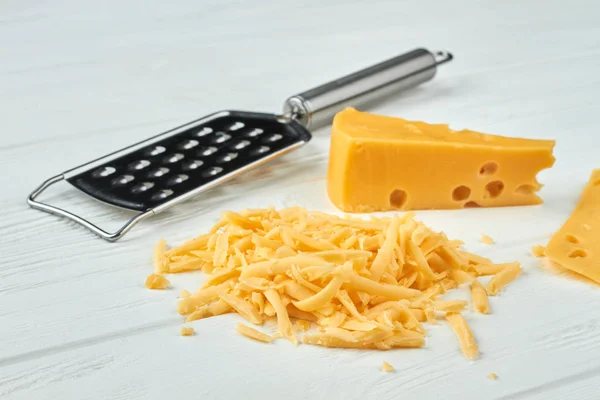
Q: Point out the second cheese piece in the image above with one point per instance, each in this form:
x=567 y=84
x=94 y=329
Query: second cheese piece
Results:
x=576 y=245
x=379 y=163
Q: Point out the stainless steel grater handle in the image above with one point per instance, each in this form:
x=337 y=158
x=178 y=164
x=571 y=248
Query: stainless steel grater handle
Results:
x=316 y=107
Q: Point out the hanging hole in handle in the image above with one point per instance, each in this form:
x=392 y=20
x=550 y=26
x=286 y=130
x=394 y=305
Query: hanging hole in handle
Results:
x=442 y=56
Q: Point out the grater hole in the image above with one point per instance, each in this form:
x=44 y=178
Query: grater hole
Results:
x=207 y=151
x=156 y=150
x=260 y=150
x=273 y=138
x=103 y=172
x=221 y=137
x=142 y=187
x=236 y=126
x=138 y=165
x=177 y=179
x=157 y=173
x=212 y=171
x=188 y=144
x=193 y=164
x=255 y=132
x=122 y=180
x=227 y=157
x=161 y=195
x=173 y=158
x=204 y=131
x=241 y=145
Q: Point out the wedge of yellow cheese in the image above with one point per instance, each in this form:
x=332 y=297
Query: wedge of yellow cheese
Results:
x=576 y=246
x=379 y=163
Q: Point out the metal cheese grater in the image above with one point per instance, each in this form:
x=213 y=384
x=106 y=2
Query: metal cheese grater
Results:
x=157 y=173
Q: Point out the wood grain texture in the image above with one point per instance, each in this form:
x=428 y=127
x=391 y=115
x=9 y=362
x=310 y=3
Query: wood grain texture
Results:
x=80 y=79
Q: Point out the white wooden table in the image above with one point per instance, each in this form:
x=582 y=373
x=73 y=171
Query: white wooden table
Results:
x=80 y=79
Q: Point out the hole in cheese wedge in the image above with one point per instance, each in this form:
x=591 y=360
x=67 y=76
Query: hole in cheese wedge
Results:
x=578 y=253
x=397 y=198
x=571 y=239
x=488 y=169
x=371 y=156
x=494 y=189
x=461 y=193
x=525 y=190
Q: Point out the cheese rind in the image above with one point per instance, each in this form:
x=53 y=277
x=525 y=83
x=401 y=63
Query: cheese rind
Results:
x=576 y=245
x=379 y=163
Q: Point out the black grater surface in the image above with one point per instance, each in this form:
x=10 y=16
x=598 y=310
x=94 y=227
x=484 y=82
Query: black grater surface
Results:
x=195 y=156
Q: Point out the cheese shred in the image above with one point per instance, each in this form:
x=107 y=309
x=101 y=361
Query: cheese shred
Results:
x=338 y=282
x=503 y=278
x=464 y=334
x=253 y=333
x=479 y=297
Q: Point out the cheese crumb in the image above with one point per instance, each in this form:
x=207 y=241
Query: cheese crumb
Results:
x=493 y=376
x=157 y=282
x=538 y=251
x=486 y=239
x=387 y=367
x=187 y=331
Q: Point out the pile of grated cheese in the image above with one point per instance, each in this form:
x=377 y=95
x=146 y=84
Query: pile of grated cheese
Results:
x=347 y=282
